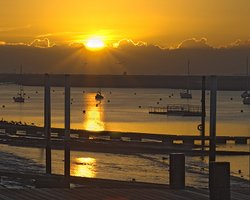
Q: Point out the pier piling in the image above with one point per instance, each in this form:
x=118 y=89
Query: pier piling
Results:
x=47 y=123
x=219 y=180
x=177 y=171
x=213 y=99
x=203 y=111
x=67 y=128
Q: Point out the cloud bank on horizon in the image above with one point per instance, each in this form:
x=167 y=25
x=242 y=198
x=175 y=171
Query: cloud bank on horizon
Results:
x=44 y=56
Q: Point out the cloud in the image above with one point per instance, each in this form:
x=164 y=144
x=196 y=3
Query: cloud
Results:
x=132 y=57
x=194 y=43
x=2 y=43
x=41 y=43
x=239 y=44
x=128 y=42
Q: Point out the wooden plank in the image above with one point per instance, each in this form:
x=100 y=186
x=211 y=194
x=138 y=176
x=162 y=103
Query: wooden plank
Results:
x=112 y=193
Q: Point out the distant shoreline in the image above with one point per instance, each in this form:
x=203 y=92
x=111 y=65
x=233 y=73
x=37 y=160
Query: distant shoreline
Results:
x=229 y=83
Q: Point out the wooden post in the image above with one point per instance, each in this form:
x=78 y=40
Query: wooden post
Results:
x=203 y=108
x=67 y=128
x=219 y=180
x=47 y=123
x=213 y=98
x=177 y=171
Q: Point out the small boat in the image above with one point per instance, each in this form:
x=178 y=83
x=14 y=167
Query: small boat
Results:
x=246 y=100
x=19 y=98
x=20 y=95
x=245 y=94
x=186 y=94
x=99 y=96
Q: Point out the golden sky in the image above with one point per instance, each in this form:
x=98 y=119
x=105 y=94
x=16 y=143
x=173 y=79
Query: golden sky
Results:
x=161 y=22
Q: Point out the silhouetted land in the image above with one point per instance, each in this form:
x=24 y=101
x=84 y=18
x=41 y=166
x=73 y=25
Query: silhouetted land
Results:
x=128 y=81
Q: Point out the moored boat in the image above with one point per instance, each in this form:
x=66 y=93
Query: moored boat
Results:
x=246 y=101
x=99 y=96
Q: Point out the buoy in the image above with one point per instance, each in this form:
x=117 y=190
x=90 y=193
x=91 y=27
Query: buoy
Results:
x=169 y=96
x=160 y=99
x=157 y=102
x=83 y=111
x=199 y=127
x=110 y=92
x=231 y=99
x=241 y=111
x=239 y=171
x=139 y=106
x=96 y=105
x=108 y=101
x=135 y=93
x=3 y=106
x=172 y=94
x=83 y=91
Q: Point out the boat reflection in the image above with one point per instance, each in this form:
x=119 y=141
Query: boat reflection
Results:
x=84 y=167
x=93 y=118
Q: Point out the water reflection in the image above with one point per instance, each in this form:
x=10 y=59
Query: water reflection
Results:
x=93 y=118
x=84 y=167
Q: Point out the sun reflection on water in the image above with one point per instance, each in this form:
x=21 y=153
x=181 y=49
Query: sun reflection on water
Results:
x=84 y=167
x=93 y=119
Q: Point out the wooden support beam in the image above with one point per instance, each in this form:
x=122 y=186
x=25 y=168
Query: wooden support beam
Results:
x=47 y=123
x=67 y=128
x=213 y=101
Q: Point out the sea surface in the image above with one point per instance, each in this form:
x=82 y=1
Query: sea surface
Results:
x=123 y=110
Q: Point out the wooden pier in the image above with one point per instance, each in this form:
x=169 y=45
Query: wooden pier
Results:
x=102 y=189
x=13 y=131
x=132 y=193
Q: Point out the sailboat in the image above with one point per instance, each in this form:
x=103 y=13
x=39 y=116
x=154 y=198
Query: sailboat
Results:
x=246 y=93
x=20 y=95
x=186 y=94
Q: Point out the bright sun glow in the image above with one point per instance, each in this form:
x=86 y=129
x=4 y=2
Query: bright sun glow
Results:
x=95 y=44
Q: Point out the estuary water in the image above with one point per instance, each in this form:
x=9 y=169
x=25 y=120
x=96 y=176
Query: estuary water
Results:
x=124 y=110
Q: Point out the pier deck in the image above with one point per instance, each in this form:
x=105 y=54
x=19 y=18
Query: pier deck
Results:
x=113 y=194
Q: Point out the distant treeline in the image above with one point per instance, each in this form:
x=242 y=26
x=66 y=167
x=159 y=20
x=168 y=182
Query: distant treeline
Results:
x=129 y=81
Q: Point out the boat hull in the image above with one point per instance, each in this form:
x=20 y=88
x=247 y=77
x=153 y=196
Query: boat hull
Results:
x=246 y=101
x=18 y=99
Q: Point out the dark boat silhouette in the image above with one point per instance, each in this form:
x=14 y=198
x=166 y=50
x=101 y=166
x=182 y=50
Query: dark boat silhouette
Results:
x=186 y=94
x=20 y=95
x=99 y=96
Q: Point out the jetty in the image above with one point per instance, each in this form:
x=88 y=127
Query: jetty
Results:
x=18 y=134
x=177 y=110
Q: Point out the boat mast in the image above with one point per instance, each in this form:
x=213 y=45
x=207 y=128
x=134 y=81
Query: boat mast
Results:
x=248 y=85
x=188 y=72
x=20 y=81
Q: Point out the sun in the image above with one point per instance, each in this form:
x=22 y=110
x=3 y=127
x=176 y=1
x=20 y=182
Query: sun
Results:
x=95 y=44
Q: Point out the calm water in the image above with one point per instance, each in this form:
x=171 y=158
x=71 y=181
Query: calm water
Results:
x=124 y=110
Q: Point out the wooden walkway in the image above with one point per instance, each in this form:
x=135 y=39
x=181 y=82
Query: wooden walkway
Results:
x=113 y=194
